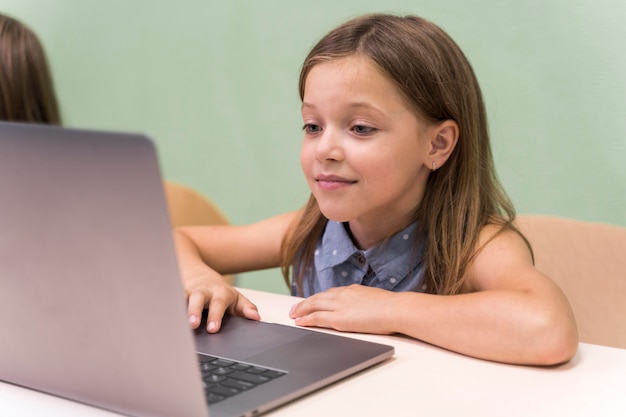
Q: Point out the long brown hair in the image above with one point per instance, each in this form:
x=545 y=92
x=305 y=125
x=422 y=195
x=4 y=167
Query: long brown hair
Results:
x=26 y=88
x=438 y=83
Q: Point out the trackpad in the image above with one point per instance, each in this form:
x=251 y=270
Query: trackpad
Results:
x=241 y=338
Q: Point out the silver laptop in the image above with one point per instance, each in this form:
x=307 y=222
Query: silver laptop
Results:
x=91 y=306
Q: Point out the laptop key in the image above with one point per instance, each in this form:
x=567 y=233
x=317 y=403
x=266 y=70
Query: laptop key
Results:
x=207 y=367
x=238 y=384
x=221 y=371
x=213 y=379
x=272 y=374
x=214 y=398
x=224 y=391
x=206 y=358
x=222 y=363
x=244 y=376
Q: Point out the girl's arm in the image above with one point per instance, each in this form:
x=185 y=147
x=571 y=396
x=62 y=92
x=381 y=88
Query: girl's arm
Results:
x=509 y=311
x=205 y=253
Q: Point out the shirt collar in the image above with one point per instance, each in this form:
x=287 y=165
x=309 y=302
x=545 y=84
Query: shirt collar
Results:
x=394 y=257
x=336 y=246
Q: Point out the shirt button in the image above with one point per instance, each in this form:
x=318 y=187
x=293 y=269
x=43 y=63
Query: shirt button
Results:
x=360 y=259
x=393 y=280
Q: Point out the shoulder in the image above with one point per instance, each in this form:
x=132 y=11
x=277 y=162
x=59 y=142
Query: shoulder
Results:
x=502 y=260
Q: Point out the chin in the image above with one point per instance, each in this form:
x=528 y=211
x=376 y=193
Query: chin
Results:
x=336 y=215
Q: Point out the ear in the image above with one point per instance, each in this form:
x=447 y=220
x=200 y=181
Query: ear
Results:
x=443 y=139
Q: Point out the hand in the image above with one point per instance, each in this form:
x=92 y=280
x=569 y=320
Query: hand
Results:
x=210 y=289
x=355 y=308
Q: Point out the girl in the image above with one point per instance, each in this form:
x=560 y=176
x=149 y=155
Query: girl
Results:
x=407 y=229
x=26 y=89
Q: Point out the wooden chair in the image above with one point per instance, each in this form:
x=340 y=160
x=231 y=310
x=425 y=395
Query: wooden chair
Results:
x=188 y=207
x=588 y=261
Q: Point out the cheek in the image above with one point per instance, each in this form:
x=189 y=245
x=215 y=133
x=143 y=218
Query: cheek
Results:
x=389 y=174
x=305 y=157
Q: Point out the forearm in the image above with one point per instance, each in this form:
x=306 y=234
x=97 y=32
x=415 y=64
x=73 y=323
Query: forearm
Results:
x=189 y=257
x=499 y=325
x=234 y=249
x=200 y=246
x=220 y=248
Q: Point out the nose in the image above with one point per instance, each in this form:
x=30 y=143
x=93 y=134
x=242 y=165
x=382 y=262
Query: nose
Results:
x=329 y=146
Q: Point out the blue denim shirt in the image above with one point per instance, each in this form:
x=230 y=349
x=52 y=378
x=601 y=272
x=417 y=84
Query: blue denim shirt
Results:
x=392 y=265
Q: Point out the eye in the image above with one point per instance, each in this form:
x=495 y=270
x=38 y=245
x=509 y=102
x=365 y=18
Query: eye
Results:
x=362 y=130
x=311 y=128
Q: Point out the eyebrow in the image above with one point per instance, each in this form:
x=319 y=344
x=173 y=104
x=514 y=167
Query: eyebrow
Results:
x=356 y=105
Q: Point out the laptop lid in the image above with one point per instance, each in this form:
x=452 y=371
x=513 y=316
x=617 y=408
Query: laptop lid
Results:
x=91 y=306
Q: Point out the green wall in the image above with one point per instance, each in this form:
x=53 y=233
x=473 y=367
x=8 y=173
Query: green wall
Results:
x=215 y=84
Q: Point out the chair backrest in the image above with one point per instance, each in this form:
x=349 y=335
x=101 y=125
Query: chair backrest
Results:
x=188 y=207
x=588 y=261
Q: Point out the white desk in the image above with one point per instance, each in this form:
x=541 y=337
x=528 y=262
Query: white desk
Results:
x=420 y=380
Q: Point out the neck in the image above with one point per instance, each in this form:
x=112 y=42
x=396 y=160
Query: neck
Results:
x=367 y=235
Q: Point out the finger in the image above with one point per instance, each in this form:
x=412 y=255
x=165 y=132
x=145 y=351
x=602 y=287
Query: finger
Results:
x=195 y=305
x=316 y=319
x=295 y=309
x=317 y=302
x=217 y=308
x=245 y=308
x=252 y=313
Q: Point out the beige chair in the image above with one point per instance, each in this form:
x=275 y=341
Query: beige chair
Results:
x=188 y=207
x=588 y=261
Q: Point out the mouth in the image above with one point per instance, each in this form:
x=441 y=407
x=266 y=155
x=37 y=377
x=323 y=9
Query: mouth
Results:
x=333 y=181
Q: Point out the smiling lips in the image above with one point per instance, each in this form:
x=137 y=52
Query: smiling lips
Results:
x=332 y=182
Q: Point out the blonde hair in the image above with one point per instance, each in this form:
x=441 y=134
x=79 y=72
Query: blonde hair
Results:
x=26 y=88
x=438 y=83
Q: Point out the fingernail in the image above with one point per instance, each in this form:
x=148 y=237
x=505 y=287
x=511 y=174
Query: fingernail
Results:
x=293 y=308
x=193 y=319
x=212 y=325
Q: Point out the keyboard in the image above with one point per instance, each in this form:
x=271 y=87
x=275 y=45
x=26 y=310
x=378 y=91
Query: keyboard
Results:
x=224 y=378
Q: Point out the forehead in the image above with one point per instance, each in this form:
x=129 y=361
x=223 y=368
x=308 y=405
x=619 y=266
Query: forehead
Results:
x=352 y=68
x=354 y=79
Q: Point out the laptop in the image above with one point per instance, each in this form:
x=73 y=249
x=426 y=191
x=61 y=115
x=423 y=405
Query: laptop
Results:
x=91 y=305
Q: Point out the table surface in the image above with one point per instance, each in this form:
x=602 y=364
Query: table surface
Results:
x=420 y=379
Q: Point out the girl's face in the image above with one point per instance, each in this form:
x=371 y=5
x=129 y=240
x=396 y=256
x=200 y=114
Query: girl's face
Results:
x=365 y=153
